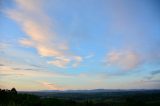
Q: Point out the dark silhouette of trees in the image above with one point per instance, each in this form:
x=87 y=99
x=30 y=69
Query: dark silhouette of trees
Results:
x=14 y=91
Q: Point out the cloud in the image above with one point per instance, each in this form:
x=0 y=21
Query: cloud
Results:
x=60 y=62
x=63 y=61
x=152 y=74
x=26 y=42
x=26 y=73
x=89 y=56
x=51 y=86
x=31 y=16
x=11 y=75
x=78 y=60
x=125 y=60
x=155 y=72
x=158 y=81
x=32 y=69
x=4 y=45
x=2 y=65
x=37 y=66
x=29 y=72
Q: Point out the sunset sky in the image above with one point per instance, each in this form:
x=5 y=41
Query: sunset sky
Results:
x=79 y=44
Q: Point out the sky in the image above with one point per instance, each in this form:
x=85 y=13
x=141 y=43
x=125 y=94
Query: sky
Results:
x=79 y=44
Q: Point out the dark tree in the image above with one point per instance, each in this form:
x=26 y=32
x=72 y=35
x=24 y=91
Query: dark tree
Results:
x=14 y=91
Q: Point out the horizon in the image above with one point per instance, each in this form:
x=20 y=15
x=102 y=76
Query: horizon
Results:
x=88 y=90
x=79 y=44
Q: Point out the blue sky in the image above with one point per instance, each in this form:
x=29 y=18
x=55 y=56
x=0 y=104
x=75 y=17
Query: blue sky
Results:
x=79 y=44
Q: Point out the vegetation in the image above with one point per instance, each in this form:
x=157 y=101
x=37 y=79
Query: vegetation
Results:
x=141 y=98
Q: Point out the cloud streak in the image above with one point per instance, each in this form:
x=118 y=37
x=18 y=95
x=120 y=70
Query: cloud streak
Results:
x=51 y=86
x=155 y=72
x=31 y=16
x=1 y=65
x=26 y=73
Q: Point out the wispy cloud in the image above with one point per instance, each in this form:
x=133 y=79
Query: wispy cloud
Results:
x=4 y=45
x=29 y=72
x=31 y=16
x=1 y=64
x=11 y=75
x=125 y=60
x=152 y=74
x=89 y=56
x=155 y=72
x=32 y=69
x=157 y=81
x=51 y=86
x=7 y=70
x=26 y=42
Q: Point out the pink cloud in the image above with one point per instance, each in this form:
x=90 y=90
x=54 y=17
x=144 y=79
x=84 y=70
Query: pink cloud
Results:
x=125 y=60
x=51 y=86
x=39 y=28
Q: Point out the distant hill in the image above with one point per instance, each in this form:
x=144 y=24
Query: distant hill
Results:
x=81 y=93
x=93 y=90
